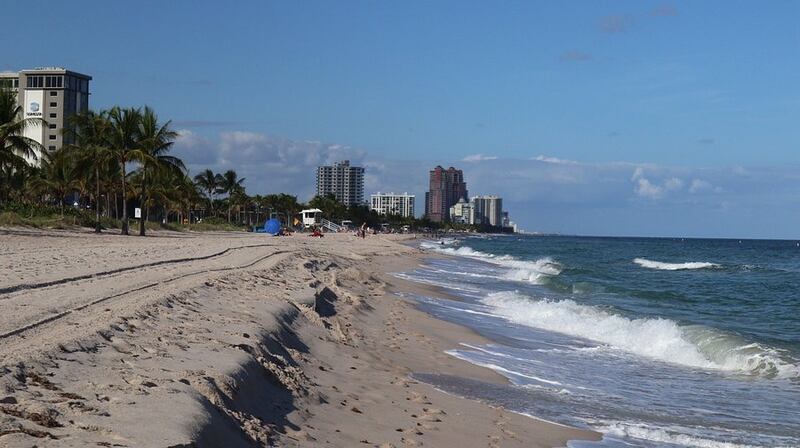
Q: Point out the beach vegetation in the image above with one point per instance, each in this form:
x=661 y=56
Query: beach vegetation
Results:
x=232 y=185
x=120 y=159
x=16 y=150
x=155 y=140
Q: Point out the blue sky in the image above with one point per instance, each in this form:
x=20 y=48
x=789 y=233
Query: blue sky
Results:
x=626 y=105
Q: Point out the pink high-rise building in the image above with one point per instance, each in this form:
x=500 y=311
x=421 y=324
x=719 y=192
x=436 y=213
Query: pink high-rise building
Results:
x=446 y=187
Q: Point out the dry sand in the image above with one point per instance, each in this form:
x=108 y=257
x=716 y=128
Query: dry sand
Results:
x=229 y=340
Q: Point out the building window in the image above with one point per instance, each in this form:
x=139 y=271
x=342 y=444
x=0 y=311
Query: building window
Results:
x=53 y=115
x=52 y=126
x=51 y=147
x=53 y=93
x=35 y=81
x=53 y=104
x=52 y=136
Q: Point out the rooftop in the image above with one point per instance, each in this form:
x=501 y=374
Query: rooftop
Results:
x=391 y=194
x=57 y=70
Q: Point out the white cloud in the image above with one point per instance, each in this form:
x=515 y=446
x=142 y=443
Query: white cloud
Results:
x=673 y=184
x=700 y=186
x=188 y=138
x=478 y=158
x=556 y=160
x=270 y=164
x=646 y=189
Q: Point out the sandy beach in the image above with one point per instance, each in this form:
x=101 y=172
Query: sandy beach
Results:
x=231 y=340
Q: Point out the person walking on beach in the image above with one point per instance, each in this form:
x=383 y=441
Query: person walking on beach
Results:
x=363 y=231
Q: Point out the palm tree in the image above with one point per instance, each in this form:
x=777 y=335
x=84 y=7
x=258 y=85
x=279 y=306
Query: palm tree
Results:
x=282 y=203
x=122 y=141
x=155 y=141
x=57 y=176
x=232 y=185
x=187 y=195
x=15 y=148
x=210 y=184
x=92 y=155
x=330 y=206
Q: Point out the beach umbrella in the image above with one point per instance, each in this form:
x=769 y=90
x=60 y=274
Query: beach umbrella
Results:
x=273 y=226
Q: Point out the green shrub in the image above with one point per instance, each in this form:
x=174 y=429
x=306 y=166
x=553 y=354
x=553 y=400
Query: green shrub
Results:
x=10 y=219
x=213 y=220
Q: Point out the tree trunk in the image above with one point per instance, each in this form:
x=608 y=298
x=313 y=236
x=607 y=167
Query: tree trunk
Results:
x=97 y=201
x=142 y=200
x=124 y=201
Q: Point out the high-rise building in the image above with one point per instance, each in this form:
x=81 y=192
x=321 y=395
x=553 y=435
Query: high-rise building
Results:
x=52 y=94
x=446 y=187
x=462 y=212
x=393 y=204
x=488 y=210
x=343 y=181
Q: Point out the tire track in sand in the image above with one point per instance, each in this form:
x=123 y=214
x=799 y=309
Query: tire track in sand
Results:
x=31 y=286
x=67 y=312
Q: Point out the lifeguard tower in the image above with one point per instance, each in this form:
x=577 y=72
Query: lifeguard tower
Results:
x=311 y=217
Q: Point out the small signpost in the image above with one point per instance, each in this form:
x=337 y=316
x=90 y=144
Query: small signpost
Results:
x=137 y=213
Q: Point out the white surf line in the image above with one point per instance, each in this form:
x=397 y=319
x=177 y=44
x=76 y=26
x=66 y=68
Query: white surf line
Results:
x=67 y=312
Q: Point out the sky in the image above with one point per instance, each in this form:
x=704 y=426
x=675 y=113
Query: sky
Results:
x=588 y=117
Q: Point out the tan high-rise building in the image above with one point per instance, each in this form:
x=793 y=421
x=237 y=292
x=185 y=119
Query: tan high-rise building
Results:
x=50 y=93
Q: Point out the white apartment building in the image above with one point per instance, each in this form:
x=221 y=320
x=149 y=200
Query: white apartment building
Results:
x=488 y=210
x=393 y=204
x=343 y=181
x=52 y=94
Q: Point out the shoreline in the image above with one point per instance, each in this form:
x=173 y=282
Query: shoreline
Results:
x=279 y=342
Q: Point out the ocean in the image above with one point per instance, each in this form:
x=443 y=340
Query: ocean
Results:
x=654 y=342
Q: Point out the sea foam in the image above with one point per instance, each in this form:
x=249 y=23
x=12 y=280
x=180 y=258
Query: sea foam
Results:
x=667 y=436
x=660 y=265
x=535 y=272
x=655 y=338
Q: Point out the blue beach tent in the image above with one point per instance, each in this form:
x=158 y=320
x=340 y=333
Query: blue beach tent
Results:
x=272 y=226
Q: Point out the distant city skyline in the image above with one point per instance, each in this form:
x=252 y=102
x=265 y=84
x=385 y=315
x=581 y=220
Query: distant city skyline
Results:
x=624 y=118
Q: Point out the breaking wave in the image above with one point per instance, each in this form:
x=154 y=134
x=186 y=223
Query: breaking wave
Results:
x=536 y=272
x=667 y=436
x=655 y=338
x=650 y=264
